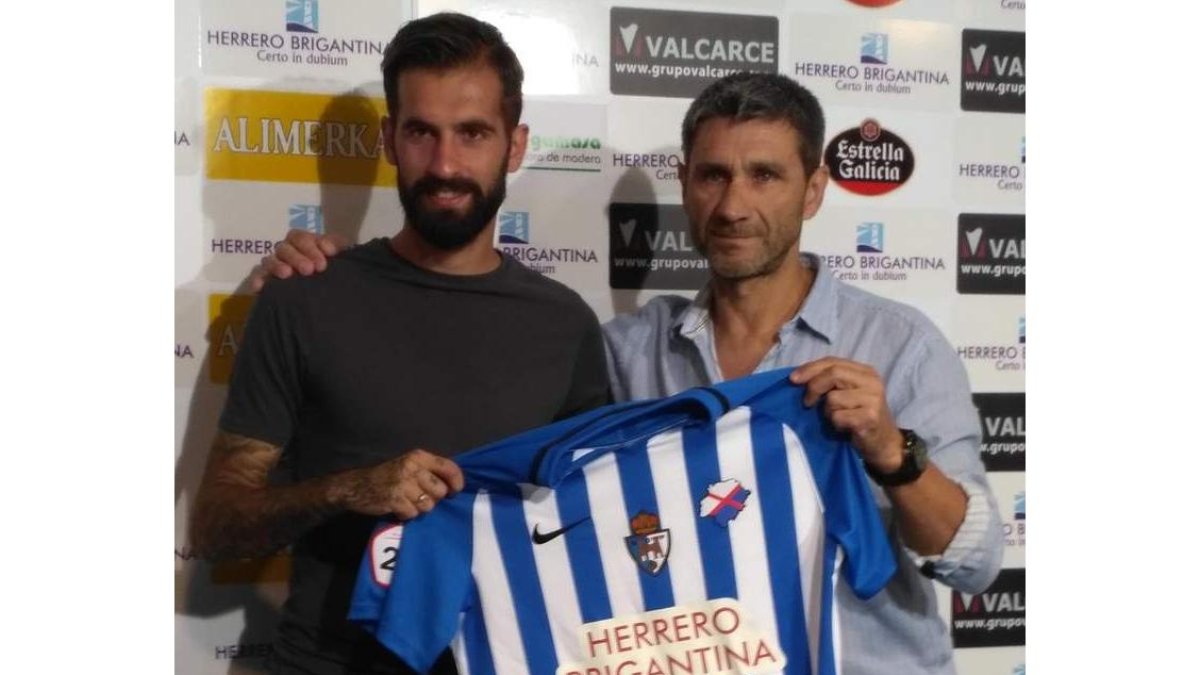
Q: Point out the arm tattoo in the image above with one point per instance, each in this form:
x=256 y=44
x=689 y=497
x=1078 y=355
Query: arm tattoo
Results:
x=236 y=514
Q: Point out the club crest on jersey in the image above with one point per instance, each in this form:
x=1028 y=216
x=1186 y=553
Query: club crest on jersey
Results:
x=723 y=501
x=649 y=545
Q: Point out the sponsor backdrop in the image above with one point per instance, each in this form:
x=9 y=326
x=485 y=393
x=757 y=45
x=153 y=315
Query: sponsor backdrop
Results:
x=276 y=127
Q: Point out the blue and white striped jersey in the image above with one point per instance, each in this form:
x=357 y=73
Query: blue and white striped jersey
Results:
x=702 y=533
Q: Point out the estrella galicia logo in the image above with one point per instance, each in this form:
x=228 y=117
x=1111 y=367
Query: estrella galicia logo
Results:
x=870 y=238
x=869 y=160
x=514 y=227
x=874 y=49
x=723 y=501
x=655 y=52
x=991 y=254
x=993 y=71
x=874 y=3
x=302 y=16
x=648 y=544
x=307 y=217
x=1002 y=418
x=650 y=246
x=993 y=618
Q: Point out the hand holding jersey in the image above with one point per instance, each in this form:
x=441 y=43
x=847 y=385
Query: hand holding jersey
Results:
x=405 y=487
x=854 y=403
x=931 y=507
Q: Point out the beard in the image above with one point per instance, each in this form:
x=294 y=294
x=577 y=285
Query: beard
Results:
x=448 y=229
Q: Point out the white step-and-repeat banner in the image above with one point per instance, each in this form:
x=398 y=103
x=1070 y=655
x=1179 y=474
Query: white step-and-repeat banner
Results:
x=277 y=126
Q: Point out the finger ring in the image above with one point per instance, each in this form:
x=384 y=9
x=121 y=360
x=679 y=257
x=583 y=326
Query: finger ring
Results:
x=422 y=498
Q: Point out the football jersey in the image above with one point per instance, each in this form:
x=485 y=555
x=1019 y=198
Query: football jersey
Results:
x=701 y=533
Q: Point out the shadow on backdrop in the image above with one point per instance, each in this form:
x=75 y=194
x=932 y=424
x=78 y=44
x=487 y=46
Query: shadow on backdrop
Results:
x=255 y=587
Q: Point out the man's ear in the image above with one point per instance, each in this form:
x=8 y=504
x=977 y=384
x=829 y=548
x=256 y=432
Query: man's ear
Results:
x=814 y=192
x=516 y=146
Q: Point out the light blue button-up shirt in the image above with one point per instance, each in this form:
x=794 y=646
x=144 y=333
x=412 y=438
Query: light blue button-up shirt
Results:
x=668 y=346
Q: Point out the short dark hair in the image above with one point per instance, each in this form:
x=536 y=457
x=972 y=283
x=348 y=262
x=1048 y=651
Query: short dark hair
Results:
x=765 y=96
x=447 y=40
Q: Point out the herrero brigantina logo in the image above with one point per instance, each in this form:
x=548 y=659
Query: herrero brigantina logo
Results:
x=515 y=240
x=301 y=41
x=873 y=72
x=872 y=263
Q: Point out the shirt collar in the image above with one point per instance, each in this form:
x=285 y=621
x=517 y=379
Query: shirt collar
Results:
x=818 y=314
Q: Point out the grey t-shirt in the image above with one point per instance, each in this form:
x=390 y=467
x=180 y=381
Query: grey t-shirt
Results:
x=374 y=357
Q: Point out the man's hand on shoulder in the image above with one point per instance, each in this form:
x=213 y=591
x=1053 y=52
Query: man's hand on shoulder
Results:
x=406 y=486
x=856 y=403
x=300 y=252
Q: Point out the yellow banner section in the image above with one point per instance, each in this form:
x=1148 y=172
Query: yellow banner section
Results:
x=226 y=322
x=295 y=138
x=275 y=569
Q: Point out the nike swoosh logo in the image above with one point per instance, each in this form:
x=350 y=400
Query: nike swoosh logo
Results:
x=543 y=537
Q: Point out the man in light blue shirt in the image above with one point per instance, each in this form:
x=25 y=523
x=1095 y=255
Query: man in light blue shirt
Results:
x=887 y=376
x=881 y=371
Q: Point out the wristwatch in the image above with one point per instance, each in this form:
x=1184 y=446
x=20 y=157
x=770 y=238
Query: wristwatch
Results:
x=916 y=458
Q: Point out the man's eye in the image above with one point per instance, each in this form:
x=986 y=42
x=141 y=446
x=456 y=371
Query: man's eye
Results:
x=764 y=175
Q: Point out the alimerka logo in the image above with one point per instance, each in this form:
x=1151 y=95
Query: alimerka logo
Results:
x=227 y=316
x=293 y=137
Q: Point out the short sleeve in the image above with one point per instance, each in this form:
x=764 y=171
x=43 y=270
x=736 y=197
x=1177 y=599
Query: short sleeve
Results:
x=851 y=517
x=416 y=613
x=265 y=392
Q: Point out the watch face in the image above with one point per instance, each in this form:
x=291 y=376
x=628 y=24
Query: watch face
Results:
x=914 y=446
x=920 y=452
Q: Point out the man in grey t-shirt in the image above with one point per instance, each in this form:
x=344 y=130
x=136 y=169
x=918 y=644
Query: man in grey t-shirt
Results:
x=429 y=339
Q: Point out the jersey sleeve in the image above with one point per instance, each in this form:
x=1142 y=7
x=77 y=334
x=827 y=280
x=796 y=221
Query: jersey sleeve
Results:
x=411 y=597
x=265 y=392
x=852 y=518
x=375 y=574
